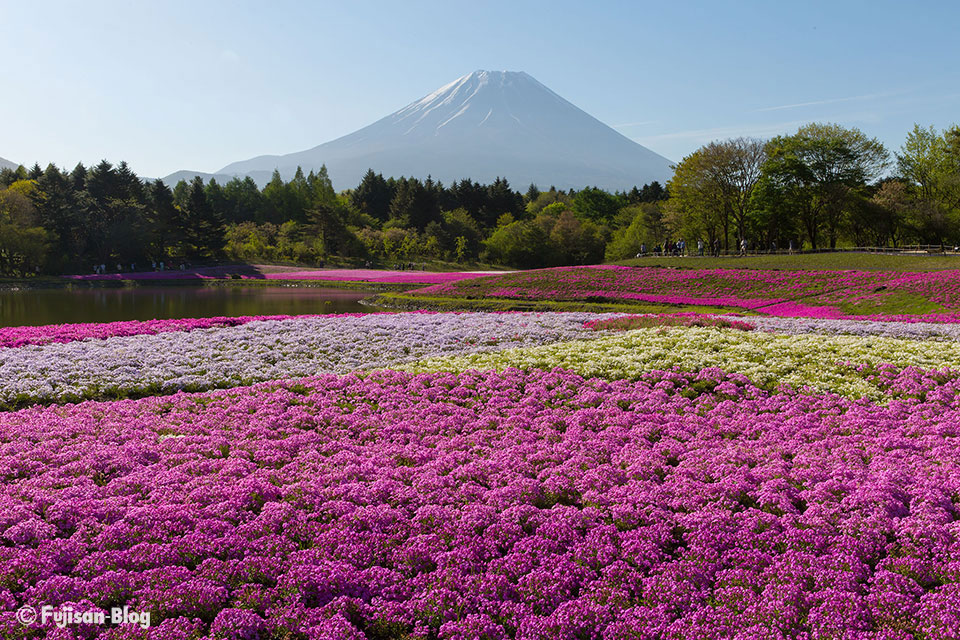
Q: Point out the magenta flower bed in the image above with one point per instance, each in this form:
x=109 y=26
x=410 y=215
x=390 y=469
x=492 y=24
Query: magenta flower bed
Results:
x=826 y=312
x=333 y=275
x=514 y=505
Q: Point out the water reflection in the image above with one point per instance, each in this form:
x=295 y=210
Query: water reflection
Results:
x=102 y=304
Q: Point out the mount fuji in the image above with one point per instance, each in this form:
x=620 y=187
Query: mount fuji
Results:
x=481 y=126
x=6 y=164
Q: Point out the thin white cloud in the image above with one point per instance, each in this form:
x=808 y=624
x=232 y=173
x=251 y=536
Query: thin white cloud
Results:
x=733 y=131
x=814 y=103
x=635 y=124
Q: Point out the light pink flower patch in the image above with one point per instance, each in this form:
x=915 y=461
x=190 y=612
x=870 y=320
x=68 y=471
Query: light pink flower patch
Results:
x=45 y=334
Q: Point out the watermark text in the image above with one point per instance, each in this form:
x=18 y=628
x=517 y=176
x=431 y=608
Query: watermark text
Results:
x=67 y=616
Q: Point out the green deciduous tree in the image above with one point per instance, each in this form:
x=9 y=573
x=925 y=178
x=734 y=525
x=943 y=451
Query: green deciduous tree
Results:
x=577 y=241
x=645 y=228
x=712 y=189
x=596 y=204
x=24 y=244
x=930 y=165
x=820 y=171
x=696 y=207
x=519 y=243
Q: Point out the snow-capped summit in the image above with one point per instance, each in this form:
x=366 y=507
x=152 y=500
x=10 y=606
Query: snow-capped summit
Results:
x=483 y=125
x=482 y=99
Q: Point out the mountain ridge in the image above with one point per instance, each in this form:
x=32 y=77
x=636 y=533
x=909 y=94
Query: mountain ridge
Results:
x=483 y=125
x=7 y=164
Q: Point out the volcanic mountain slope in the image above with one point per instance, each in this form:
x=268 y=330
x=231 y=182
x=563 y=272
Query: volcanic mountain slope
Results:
x=483 y=125
x=6 y=164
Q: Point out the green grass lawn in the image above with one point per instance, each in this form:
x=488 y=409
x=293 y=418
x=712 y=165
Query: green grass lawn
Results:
x=808 y=261
x=401 y=301
x=895 y=304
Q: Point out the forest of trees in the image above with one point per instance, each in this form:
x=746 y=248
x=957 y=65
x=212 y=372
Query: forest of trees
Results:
x=53 y=221
x=824 y=186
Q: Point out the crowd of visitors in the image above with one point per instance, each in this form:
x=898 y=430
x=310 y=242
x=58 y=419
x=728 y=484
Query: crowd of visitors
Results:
x=678 y=248
x=154 y=266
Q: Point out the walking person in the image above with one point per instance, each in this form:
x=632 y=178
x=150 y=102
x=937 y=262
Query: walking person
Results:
x=700 y=248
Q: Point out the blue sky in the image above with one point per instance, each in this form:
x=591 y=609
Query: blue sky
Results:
x=177 y=85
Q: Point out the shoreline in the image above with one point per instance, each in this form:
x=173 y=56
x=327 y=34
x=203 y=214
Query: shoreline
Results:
x=58 y=283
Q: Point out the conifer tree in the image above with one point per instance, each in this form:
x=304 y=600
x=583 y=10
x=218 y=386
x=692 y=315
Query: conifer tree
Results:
x=373 y=196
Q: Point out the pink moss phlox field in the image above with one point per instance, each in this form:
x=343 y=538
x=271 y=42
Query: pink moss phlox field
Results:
x=809 y=294
x=333 y=275
x=733 y=287
x=938 y=287
x=826 y=312
x=518 y=505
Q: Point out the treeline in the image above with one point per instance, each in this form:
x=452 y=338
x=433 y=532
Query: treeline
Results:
x=54 y=221
x=824 y=186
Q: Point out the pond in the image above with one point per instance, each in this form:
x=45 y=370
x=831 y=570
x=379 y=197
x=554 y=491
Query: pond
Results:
x=109 y=304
